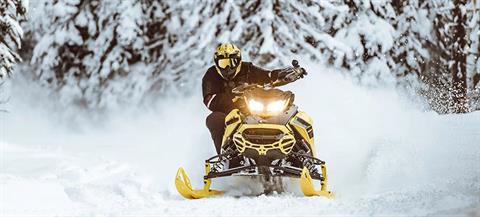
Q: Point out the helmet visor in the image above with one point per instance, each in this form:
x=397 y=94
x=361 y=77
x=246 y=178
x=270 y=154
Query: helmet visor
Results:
x=224 y=63
x=232 y=62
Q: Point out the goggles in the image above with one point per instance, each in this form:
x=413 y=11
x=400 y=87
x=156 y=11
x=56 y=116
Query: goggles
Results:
x=233 y=61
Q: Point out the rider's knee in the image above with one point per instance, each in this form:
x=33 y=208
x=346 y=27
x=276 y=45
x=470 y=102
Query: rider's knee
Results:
x=215 y=120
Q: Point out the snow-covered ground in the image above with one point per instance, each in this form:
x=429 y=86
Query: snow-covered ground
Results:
x=384 y=155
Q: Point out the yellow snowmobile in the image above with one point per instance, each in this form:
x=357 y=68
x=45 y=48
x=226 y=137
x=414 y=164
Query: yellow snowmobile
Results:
x=267 y=137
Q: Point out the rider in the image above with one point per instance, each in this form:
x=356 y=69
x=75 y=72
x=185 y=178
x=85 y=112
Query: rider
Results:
x=229 y=72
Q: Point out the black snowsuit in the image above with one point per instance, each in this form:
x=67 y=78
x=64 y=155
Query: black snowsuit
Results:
x=217 y=94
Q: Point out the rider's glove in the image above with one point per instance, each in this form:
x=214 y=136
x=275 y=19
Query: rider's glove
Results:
x=291 y=74
x=301 y=72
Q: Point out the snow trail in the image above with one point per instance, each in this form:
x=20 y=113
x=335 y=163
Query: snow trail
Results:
x=384 y=156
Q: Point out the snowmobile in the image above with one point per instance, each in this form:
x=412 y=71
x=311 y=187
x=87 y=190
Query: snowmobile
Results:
x=266 y=137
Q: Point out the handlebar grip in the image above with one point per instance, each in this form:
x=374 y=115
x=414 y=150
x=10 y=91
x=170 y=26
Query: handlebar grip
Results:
x=295 y=63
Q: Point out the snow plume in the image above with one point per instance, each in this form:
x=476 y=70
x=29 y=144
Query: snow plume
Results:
x=385 y=157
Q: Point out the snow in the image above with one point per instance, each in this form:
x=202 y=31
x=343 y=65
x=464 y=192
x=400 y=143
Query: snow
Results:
x=385 y=157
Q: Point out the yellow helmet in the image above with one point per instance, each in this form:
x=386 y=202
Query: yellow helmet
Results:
x=228 y=60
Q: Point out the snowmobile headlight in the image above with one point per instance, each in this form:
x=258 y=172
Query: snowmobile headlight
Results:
x=255 y=106
x=276 y=106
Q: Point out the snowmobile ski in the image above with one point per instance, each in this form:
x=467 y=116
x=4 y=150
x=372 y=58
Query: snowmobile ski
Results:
x=184 y=186
x=308 y=189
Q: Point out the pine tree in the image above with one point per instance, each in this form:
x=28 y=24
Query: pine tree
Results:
x=368 y=31
x=11 y=34
x=473 y=57
x=459 y=49
x=413 y=33
x=448 y=71
x=269 y=32
x=348 y=34
x=98 y=53
x=85 y=49
x=79 y=51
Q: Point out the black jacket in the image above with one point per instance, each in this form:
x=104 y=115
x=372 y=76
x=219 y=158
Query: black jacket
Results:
x=217 y=92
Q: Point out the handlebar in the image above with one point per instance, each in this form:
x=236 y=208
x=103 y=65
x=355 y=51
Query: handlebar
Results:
x=244 y=87
x=296 y=65
x=290 y=74
x=285 y=80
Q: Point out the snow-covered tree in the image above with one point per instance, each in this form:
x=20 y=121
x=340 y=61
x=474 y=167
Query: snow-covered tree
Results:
x=355 y=35
x=86 y=49
x=473 y=57
x=368 y=31
x=11 y=33
x=268 y=32
x=413 y=34
x=97 y=53
x=448 y=73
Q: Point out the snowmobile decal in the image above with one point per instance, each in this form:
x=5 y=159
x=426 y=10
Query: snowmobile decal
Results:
x=302 y=123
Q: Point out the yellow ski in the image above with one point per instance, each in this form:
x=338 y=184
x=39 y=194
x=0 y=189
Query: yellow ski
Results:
x=184 y=186
x=308 y=189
